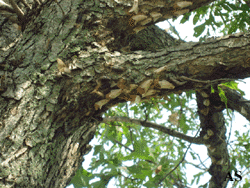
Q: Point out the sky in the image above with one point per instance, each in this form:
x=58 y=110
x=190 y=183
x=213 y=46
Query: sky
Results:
x=186 y=32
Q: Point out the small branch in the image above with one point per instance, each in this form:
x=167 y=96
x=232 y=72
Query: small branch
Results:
x=201 y=161
x=196 y=166
x=179 y=162
x=174 y=30
x=123 y=145
x=207 y=81
x=156 y=126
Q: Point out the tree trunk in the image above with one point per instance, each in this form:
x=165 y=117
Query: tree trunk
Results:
x=74 y=61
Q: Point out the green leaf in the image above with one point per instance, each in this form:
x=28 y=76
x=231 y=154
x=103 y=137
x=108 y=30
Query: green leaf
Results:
x=199 y=30
x=97 y=149
x=150 y=184
x=185 y=17
x=81 y=178
x=233 y=27
x=222 y=95
x=233 y=85
x=212 y=89
x=134 y=169
x=196 y=18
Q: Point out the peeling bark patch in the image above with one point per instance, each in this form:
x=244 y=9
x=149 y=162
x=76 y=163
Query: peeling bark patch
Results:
x=243 y=111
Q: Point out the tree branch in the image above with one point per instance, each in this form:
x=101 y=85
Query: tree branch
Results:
x=237 y=102
x=194 y=140
x=178 y=162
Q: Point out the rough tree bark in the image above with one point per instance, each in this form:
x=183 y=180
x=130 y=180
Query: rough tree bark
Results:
x=63 y=65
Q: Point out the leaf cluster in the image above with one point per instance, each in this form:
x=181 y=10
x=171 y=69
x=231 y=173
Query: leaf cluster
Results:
x=131 y=153
x=225 y=15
